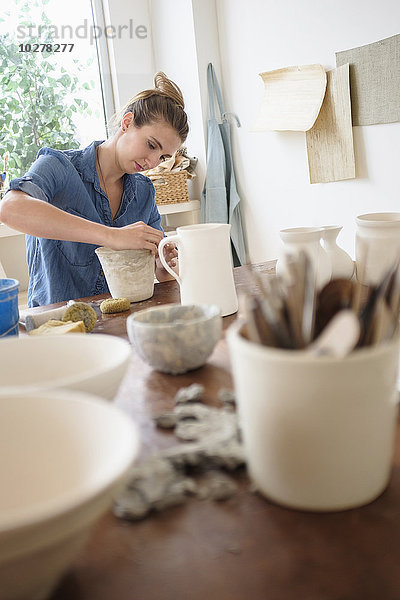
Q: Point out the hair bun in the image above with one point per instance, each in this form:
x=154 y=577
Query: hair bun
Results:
x=163 y=102
x=168 y=88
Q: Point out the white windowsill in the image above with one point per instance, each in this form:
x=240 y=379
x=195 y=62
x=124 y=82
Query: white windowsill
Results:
x=168 y=209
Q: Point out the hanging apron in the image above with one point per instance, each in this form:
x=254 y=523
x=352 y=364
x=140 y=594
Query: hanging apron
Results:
x=220 y=201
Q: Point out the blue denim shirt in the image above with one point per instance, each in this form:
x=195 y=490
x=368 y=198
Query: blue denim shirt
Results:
x=60 y=270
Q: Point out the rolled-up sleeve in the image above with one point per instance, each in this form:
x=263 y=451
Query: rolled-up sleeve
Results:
x=25 y=184
x=46 y=177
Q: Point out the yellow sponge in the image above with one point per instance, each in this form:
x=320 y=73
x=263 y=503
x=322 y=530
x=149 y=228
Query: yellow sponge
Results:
x=81 y=311
x=114 y=305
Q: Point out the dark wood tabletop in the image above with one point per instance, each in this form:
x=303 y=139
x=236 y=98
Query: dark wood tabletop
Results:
x=245 y=548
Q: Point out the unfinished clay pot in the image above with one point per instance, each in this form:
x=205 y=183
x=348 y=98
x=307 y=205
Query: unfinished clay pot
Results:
x=129 y=273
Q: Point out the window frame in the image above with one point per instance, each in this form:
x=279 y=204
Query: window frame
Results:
x=104 y=62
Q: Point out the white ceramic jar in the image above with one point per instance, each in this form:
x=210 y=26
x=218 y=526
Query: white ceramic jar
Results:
x=342 y=264
x=377 y=245
x=307 y=239
x=318 y=432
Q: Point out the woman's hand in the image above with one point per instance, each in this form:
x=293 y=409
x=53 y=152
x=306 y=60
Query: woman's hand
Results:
x=170 y=255
x=135 y=236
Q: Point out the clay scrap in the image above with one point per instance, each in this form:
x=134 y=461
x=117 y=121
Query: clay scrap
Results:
x=193 y=393
x=212 y=445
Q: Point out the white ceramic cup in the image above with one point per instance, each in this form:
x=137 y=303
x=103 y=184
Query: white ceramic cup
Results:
x=377 y=245
x=318 y=432
x=129 y=273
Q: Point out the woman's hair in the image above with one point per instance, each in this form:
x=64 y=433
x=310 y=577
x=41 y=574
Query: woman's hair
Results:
x=164 y=102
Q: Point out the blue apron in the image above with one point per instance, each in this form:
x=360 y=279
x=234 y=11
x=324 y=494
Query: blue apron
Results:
x=220 y=201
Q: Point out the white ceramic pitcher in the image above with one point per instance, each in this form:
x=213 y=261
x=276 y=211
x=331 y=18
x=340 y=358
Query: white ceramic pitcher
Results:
x=205 y=265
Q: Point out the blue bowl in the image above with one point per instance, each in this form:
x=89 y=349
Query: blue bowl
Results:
x=9 y=314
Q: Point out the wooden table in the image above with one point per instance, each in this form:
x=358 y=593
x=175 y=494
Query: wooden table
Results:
x=245 y=548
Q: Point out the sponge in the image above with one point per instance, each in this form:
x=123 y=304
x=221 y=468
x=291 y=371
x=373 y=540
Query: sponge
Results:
x=114 y=305
x=81 y=311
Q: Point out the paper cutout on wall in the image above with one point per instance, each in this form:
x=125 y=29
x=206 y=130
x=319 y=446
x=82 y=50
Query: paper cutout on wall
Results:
x=292 y=98
x=330 y=141
x=374 y=81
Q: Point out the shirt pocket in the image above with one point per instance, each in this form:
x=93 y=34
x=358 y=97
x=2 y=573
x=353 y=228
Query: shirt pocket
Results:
x=78 y=254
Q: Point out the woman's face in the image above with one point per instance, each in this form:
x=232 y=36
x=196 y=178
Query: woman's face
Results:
x=144 y=148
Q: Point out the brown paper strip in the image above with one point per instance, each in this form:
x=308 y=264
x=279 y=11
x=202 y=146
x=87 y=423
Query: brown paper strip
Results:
x=330 y=140
x=374 y=81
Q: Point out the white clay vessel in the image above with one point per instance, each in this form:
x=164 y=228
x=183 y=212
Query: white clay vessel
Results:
x=342 y=264
x=307 y=239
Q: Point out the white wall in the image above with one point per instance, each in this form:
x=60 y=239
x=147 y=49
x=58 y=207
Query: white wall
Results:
x=242 y=40
x=130 y=54
x=183 y=38
x=13 y=256
x=271 y=167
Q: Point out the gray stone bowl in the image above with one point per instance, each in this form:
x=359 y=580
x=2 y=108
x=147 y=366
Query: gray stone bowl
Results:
x=173 y=338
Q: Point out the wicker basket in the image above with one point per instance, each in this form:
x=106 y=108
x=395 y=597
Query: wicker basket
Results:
x=175 y=189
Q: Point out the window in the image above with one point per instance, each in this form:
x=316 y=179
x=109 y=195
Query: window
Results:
x=51 y=92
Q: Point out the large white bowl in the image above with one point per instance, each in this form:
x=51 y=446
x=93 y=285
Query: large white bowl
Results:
x=93 y=363
x=63 y=457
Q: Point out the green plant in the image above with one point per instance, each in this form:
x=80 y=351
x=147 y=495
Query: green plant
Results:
x=38 y=97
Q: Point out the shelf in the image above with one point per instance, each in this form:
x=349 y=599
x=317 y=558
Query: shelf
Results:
x=178 y=207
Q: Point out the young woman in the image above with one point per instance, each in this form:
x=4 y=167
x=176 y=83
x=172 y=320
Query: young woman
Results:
x=70 y=202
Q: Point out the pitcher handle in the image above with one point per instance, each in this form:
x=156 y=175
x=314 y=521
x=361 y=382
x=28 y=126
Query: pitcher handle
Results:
x=168 y=240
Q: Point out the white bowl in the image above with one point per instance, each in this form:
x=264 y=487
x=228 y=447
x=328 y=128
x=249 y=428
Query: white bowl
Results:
x=63 y=457
x=93 y=363
x=175 y=338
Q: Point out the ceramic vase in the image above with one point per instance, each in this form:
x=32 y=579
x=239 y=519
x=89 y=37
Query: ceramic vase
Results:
x=342 y=264
x=307 y=239
x=377 y=245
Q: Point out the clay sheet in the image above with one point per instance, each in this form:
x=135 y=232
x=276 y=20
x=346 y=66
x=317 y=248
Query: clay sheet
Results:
x=292 y=98
x=330 y=141
x=374 y=81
